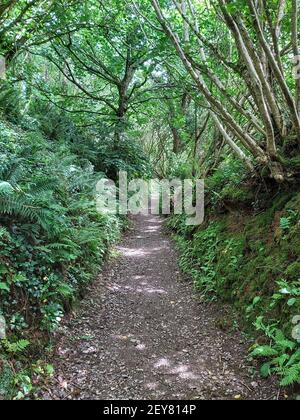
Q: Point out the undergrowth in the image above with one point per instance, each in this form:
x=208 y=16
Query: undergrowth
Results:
x=247 y=253
x=52 y=239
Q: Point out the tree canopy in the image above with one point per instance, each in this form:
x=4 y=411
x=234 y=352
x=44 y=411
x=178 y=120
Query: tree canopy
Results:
x=231 y=62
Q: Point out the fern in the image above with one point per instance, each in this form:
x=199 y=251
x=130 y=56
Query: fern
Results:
x=43 y=185
x=52 y=240
x=16 y=347
x=264 y=351
x=19 y=206
x=6 y=188
x=12 y=170
x=283 y=355
x=290 y=375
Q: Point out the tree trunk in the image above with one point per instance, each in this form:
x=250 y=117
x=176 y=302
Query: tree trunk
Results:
x=177 y=145
x=296 y=51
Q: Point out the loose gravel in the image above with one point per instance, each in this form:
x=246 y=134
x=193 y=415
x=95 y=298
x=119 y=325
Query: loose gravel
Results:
x=143 y=333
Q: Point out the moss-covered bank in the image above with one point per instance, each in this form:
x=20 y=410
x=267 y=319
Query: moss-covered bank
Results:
x=250 y=257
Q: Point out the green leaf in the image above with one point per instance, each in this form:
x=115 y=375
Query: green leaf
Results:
x=6 y=188
x=265 y=370
x=292 y=375
x=291 y=302
x=264 y=351
x=285 y=291
x=49 y=370
x=256 y=300
x=4 y=286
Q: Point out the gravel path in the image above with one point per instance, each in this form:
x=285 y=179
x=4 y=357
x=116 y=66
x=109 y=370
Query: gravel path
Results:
x=141 y=333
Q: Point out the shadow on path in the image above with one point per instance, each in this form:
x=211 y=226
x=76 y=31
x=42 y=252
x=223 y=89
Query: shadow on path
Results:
x=142 y=334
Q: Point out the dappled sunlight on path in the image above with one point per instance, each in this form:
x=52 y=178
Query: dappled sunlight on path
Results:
x=142 y=334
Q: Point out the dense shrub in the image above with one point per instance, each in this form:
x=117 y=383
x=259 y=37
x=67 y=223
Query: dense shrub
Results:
x=52 y=239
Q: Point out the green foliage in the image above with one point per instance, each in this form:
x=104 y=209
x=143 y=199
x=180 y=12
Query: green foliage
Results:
x=52 y=239
x=287 y=222
x=6 y=379
x=128 y=156
x=282 y=355
x=15 y=347
x=83 y=84
x=199 y=259
x=228 y=184
x=24 y=385
x=238 y=259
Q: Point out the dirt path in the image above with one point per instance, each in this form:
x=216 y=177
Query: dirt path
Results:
x=142 y=334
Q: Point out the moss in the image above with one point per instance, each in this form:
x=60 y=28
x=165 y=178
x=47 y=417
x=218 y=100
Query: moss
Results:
x=293 y=203
x=281 y=200
x=241 y=194
x=291 y=243
x=238 y=263
x=6 y=379
x=257 y=246
x=257 y=227
x=293 y=271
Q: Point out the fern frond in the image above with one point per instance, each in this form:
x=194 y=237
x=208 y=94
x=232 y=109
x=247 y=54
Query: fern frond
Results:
x=264 y=351
x=18 y=206
x=42 y=185
x=291 y=375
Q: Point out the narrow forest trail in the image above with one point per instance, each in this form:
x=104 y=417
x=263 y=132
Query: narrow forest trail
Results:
x=141 y=333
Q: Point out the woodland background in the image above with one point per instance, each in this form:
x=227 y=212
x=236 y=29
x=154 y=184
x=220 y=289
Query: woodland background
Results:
x=169 y=88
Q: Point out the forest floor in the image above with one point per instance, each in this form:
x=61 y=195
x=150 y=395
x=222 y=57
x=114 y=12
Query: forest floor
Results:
x=143 y=333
